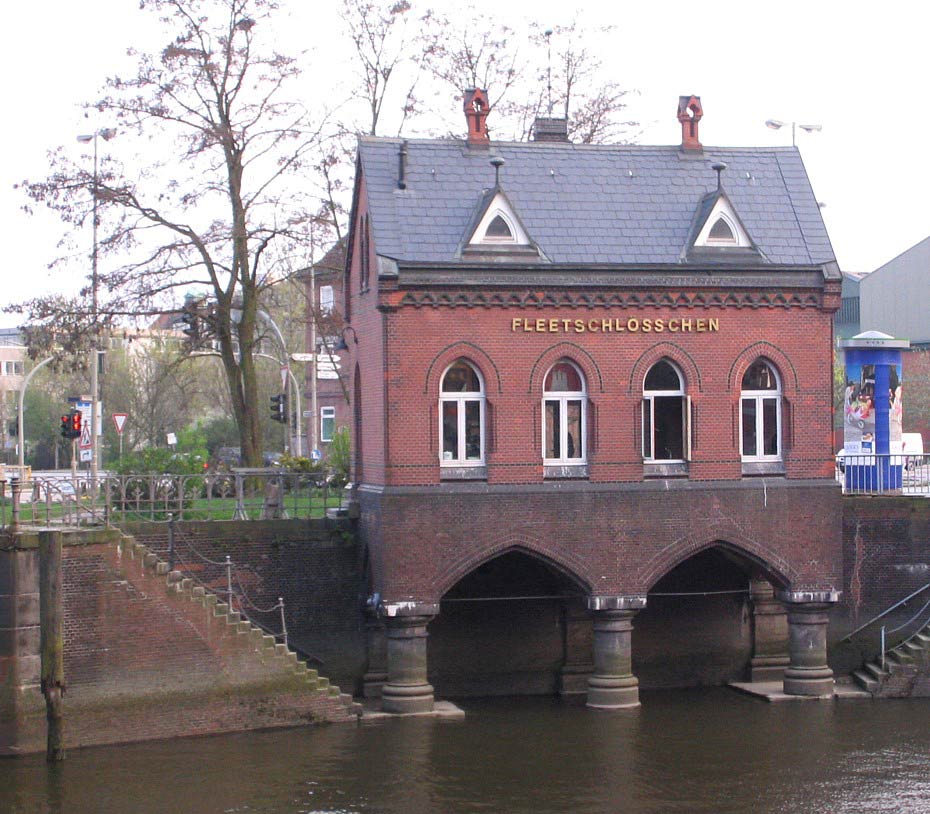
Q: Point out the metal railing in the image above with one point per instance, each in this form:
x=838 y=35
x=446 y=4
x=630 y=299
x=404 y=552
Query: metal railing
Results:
x=240 y=494
x=872 y=474
x=913 y=624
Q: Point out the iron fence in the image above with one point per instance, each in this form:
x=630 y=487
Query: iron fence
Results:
x=873 y=474
x=240 y=494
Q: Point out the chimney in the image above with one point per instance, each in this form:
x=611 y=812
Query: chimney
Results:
x=476 y=114
x=549 y=129
x=689 y=114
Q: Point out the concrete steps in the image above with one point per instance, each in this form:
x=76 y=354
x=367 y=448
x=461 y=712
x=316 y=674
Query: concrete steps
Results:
x=265 y=647
x=903 y=666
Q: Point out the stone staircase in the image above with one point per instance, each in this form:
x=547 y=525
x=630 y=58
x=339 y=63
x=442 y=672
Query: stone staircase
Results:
x=250 y=637
x=906 y=672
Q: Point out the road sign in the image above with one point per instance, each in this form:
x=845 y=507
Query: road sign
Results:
x=85 y=442
x=302 y=357
x=120 y=420
x=86 y=455
x=316 y=455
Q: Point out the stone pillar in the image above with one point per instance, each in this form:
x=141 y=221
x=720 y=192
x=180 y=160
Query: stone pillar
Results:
x=406 y=689
x=577 y=646
x=613 y=685
x=770 y=633
x=22 y=719
x=808 y=614
x=376 y=648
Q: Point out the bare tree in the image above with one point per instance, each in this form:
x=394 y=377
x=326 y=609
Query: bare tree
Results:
x=223 y=145
x=592 y=105
x=386 y=40
x=551 y=72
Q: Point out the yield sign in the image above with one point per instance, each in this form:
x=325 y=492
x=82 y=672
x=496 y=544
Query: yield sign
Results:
x=120 y=420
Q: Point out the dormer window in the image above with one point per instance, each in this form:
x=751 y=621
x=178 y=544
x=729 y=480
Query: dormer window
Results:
x=720 y=227
x=496 y=222
x=499 y=230
x=722 y=233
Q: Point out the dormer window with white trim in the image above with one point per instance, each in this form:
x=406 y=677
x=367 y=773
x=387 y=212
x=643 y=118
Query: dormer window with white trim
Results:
x=498 y=225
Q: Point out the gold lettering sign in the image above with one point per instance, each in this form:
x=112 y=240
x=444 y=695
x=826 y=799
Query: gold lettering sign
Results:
x=615 y=325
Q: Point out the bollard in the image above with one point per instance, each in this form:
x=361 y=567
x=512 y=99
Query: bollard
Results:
x=16 y=490
x=170 y=542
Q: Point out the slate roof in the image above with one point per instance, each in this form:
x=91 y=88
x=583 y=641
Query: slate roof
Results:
x=587 y=204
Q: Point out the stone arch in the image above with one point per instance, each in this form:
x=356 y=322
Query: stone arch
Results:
x=471 y=353
x=775 y=568
x=674 y=353
x=771 y=353
x=574 y=353
x=567 y=565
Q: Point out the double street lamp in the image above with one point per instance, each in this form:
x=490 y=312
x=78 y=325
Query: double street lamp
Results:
x=106 y=133
x=777 y=124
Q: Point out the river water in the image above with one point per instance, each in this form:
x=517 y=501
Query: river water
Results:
x=690 y=751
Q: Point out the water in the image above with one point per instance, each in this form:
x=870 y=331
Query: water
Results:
x=695 y=751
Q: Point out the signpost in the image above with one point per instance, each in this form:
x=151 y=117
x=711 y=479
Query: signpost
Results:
x=85 y=444
x=119 y=419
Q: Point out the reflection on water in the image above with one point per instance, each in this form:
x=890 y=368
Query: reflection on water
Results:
x=695 y=751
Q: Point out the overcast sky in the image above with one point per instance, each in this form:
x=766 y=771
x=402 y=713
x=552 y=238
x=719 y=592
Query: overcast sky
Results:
x=862 y=76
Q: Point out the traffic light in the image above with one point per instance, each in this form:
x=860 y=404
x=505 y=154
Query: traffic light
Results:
x=279 y=408
x=71 y=425
x=191 y=319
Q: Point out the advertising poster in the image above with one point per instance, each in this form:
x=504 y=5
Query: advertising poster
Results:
x=859 y=406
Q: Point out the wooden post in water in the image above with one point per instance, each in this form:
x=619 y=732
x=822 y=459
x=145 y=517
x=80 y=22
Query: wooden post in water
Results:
x=51 y=640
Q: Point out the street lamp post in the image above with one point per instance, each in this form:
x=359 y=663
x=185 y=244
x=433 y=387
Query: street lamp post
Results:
x=106 y=133
x=776 y=124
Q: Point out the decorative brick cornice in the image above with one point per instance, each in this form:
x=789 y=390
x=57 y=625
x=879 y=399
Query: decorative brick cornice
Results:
x=619 y=300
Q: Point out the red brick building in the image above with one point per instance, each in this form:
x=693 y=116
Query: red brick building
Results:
x=323 y=284
x=591 y=385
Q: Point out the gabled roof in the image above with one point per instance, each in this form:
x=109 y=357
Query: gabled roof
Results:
x=588 y=204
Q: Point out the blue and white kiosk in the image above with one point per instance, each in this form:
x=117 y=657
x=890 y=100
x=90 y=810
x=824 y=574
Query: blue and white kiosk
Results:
x=872 y=407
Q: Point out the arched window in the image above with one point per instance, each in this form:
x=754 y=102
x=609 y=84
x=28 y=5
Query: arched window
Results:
x=760 y=410
x=499 y=229
x=665 y=415
x=564 y=415
x=721 y=232
x=461 y=416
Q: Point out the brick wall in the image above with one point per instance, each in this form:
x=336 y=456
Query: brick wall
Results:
x=317 y=570
x=143 y=662
x=422 y=342
x=886 y=556
x=614 y=539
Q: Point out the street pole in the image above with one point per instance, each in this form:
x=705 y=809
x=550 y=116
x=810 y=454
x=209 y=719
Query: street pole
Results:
x=95 y=359
x=21 y=434
x=314 y=424
x=107 y=134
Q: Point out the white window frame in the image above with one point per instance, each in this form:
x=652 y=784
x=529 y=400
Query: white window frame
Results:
x=461 y=399
x=732 y=240
x=564 y=397
x=648 y=413
x=758 y=398
x=327 y=414
x=327 y=299
x=511 y=238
